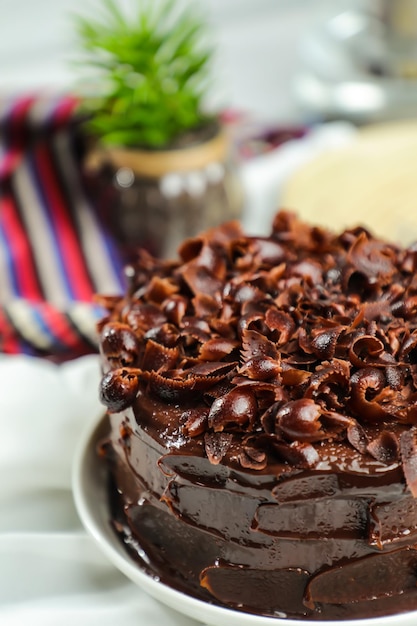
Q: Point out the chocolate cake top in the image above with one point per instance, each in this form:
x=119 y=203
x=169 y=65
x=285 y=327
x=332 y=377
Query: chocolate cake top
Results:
x=285 y=341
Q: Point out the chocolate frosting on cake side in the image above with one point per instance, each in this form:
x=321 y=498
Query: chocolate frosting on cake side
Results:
x=262 y=393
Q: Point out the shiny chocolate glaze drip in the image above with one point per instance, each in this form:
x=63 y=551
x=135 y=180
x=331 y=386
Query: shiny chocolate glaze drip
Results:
x=262 y=395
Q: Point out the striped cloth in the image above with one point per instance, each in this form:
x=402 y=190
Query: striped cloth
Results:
x=55 y=252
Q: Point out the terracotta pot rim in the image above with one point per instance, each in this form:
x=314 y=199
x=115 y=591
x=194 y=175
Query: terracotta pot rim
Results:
x=157 y=163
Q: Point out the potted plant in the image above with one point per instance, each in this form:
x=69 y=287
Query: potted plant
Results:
x=167 y=158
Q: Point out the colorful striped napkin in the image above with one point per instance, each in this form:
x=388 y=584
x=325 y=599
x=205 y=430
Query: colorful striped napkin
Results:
x=55 y=251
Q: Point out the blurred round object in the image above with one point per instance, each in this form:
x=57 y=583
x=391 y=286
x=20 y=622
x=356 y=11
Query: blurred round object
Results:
x=371 y=182
x=360 y=62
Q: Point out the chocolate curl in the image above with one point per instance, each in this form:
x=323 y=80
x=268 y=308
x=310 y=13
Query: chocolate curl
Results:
x=365 y=382
x=202 y=280
x=366 y=350
x=311 y=271
x=142 y=316
x=331 y=384
x=194 y=330
x=243 y=292
x=293 y=376
x=301 y=455
x=324 y=343
x=159 y=357
x=167 y=335
x=372 y=258
x=238 y=408
x=159 y=289
x=281 y=322
x=118 y=388
x=406 y=308
x=205 y=306
x=184 y=384
x=266 y=252
x=175 y=308
x=256 y=345
x=299 y=420
x=408 y=350
x=395 y=377
x=119 y=344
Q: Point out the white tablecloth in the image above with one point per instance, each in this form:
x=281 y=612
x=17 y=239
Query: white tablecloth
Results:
x=51 y=572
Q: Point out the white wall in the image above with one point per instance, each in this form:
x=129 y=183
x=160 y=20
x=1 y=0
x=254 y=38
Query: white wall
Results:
x=257 y=43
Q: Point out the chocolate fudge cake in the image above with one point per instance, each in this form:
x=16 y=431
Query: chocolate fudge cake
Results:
x=262 y=399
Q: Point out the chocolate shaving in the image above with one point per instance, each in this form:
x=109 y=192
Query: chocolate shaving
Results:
x=216 y=446
x=261 y=368
x=266 y=252
x=196 y=422
x=408 y=351
x=309 y=270
x=254 y=344
x=252 y=458
x=142 y=316
x=330 y=382
x=217 y=348
x=175 y=308
x=201 y=280
x=159 y=357
x=205 y=305
x=282 y=322
x=167 y=335
x=175 y=389
x=395 y=377
x=385 y=448
x=159 y=289
x=357 y=437
x=365 y=350
x=209 y=369
x=408 y=448
x=301 y=455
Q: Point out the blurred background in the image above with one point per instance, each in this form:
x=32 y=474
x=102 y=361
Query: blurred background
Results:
x=271 y=55
x=257 y=43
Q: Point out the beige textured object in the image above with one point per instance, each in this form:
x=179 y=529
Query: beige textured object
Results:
x=372 y=182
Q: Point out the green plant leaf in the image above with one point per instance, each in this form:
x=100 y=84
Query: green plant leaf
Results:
x=152 y=66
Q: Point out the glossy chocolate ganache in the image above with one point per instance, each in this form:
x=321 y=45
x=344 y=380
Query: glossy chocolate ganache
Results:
x=262 y=396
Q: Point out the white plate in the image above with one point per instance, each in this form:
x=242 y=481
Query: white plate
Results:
x=89 y=488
